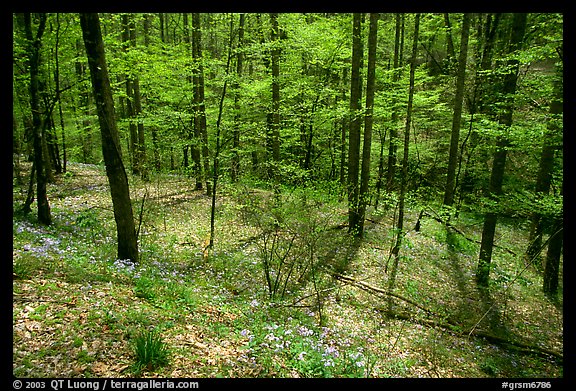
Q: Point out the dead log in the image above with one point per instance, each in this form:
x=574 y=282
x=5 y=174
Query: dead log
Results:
x=447 y=323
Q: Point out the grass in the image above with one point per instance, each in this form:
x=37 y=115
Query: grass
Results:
x=79 y=311
x=150 y=351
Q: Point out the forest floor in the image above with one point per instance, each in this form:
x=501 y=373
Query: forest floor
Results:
x=77 y=309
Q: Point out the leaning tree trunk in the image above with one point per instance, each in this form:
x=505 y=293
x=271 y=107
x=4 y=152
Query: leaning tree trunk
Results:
x=111 y=150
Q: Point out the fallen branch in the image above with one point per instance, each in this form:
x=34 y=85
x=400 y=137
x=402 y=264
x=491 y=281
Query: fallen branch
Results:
x=367 y=287
x=452 y=227
x=448 y=324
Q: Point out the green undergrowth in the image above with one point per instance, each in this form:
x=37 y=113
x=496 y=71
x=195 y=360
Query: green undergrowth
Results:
x=263 y=302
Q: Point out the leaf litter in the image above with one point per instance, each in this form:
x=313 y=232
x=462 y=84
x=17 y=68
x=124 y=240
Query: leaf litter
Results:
x=69 y=327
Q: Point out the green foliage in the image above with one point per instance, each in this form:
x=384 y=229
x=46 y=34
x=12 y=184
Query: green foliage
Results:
x=293 y=246
x=150 y=351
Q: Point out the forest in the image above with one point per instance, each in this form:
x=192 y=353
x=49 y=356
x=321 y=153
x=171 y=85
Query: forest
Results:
x=287 y=195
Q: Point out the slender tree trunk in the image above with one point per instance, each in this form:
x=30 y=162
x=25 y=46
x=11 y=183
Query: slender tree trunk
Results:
x=368 y=119
x=355 y=126
x=544 y=179
x=130 y=109
x=404 y=179
x=450 y=54
x=215 y=172
x=457 y=115
x=499 y=159
x=57 y=87
x=344 y=122
x=275 y=114
x=34 y=42
x=235 y=168
x=141 y=146
x=194 y=134
x=200 y=113
x=140 y=137
x=382 y=136
x=393 y=147
x=147 y=23
x=552 y=265
x=400 y=224
x=111 y=149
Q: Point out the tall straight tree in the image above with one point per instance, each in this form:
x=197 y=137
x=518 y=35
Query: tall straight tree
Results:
x=111 y=149
x=499 y=159
x=274 y=125
x=552 y=264
x=368 y=119
x=200 y=104
x=235 y=167
x=544 y=179
x=355 y=125
x=392 y=146
x=457 y=114
x=38 y=122
x=194 y=131
x=400 y=224
x=130 y=101
x=404 y=179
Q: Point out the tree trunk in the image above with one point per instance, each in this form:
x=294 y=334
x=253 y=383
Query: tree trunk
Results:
x=111 y=149
x=200 y=110
x=275 y=114
x=368 y=119
x=552 y=266
x=235 y=167
x=450 y=54
x=194 y=134
x=355 y=125
x=404 y=179
x=44 y=215
x=344 y=122
x=544 y=179
x=499 y=159
x=393 y=147
x=457 y=115
x=130 y=109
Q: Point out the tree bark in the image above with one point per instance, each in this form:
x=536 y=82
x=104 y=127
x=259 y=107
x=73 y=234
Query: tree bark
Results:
x=200 y=109
x=130 y=107
x=235 y=163
x=392 y=146
x=404 y=179
x=275 y=113
x=355 y=125
x=111 y=149
x=457 y=114
x=499 y=159
x=552 y=266
x=39 y=124
x=546 y=165
x=368 y=120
